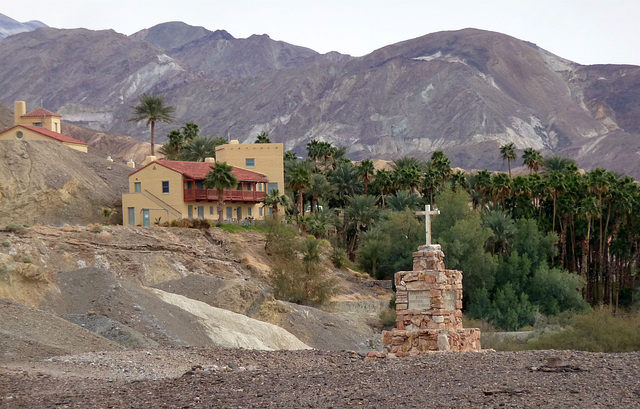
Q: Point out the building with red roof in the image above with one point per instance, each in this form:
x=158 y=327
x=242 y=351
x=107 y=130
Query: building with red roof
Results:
x=39 y=125
x=163 y=190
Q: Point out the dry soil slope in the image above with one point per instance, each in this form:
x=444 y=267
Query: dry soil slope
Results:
x=49 y=183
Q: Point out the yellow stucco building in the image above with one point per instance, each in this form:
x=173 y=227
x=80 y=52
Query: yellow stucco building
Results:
x=39 y=125
x=165 y=190
x=265 y=158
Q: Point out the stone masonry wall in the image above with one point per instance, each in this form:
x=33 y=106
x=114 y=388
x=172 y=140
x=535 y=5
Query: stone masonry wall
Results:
x=429 y=309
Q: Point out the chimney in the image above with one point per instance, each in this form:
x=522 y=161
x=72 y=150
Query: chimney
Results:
x=234 y=142
x=19 y=108
x=210 y=160
x=148 y=160
x=131 y=164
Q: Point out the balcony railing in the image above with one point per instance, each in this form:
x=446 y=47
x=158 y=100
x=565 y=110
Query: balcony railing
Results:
x=229 y=195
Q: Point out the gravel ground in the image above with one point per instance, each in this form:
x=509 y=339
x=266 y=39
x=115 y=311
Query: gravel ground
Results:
x=207 y=377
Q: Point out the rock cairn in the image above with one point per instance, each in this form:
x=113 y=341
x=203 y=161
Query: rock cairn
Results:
x=429 y=309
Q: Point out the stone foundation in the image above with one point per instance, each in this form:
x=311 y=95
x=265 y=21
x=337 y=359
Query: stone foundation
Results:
x=429 y=309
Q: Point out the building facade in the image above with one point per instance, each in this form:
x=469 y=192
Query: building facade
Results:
x=39 y=125
x=162 y=191
x=265 y=158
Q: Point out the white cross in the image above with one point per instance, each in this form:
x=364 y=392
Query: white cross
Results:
x=427 y=222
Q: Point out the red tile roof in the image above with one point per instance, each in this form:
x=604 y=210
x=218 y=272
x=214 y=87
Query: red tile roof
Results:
x=40 y=112
x=199 y=170
x=45 y=132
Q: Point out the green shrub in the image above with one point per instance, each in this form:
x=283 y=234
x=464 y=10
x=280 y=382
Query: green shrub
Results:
x=26 y=259
x=6 y=243
x=16 y=228
x=64 y=246
x=598 y=331
x=388 y=318
x=338 y=257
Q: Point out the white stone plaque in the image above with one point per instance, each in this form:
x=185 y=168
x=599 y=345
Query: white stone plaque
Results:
x=419 y=300
x=450 y=298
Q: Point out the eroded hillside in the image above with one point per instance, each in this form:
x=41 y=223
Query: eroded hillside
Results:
x=149 y=286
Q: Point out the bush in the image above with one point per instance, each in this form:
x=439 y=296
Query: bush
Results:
x=26 y=259
x=598 y=331
x=16 y=228
x=6 y=243
x=388 y=318
x=294 y=278
x=338 y=257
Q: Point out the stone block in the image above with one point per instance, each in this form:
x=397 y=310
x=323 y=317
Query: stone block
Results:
x=430 y=278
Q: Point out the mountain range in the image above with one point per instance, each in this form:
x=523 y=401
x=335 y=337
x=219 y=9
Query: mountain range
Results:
x=465 y=92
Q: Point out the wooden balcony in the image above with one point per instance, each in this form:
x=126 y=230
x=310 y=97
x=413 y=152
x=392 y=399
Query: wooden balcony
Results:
x=211 y=195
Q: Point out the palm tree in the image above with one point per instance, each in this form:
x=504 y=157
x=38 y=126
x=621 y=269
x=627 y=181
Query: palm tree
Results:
x=345 y=181
x=458 y=178
x=320 y=187
x=532 y=159
x=173 y=148
x=366 y=171
x=556 y=163
x=441 y=164
x=403 y=199
x=263 y=137
x=275 y=199
x=314 y=152
x=300 y=180
x=221 y=177
x=360 y=215
x=189 y=131
x=503 y=228
x=151 y=108
x=200 y=148
x=501 y=188
x=431 y=182
x=508 y=153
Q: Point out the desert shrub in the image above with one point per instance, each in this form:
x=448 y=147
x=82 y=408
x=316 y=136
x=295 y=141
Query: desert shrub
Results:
x=16 y=228
x=300 y=279
x=27 y=259
x=238 y=228
x=96 y=228
x=107 y=213
x=338 y=257
x=6 y=243
x=598 y=331
x=64 y=246
x=388 y=318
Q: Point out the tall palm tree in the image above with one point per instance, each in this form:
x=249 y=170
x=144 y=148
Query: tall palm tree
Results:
x=360 y=215
x=431 y=181
x=458 y=178
x=151 y=108
x=366 y=171
x=532 y=159
x=220 y=177
x=300 y=180
x=345 y=181
x=263 y=137
x=314 y=152
x=441 y=164
x=508 y=153
x=403 y=199
x=319 y=187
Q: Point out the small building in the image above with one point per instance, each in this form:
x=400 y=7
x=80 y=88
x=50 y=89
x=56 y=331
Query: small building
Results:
x=39 y=125
x=164 y=190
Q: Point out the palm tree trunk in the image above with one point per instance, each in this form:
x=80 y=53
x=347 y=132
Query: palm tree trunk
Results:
x=220 y=206
x=153 y=125
x=300 y=202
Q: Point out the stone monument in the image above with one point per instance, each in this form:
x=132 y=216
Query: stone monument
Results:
x=429 y=306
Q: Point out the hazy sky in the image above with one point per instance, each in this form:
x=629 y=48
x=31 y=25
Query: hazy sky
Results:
x=584 y=31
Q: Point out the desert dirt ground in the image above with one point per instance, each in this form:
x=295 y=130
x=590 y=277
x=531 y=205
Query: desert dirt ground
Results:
x=209 y=377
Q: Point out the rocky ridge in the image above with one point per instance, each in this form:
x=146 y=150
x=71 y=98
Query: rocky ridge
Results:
x=465 y=92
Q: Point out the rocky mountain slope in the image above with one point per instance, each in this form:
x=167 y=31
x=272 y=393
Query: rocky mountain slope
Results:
x=9 y=26
x=465 y=92
x=138 y=287
x=49 y=183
